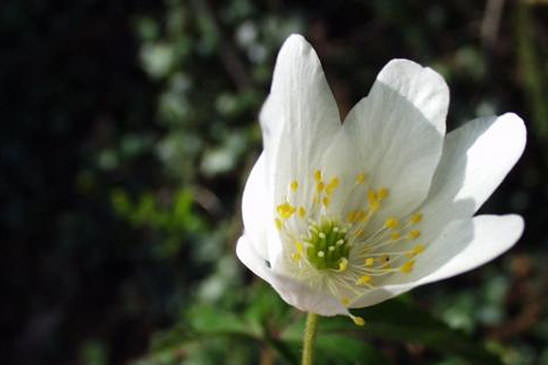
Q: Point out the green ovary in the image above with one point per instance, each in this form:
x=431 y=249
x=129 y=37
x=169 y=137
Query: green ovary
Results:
x=327 y=246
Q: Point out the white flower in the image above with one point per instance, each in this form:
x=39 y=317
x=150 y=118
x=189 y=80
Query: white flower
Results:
x=346 y=215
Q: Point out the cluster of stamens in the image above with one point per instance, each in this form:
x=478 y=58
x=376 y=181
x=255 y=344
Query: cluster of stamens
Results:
x=341 y=247
x=327 y=246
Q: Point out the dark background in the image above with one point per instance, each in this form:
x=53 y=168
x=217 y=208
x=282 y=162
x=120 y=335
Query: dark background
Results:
x=129 y=127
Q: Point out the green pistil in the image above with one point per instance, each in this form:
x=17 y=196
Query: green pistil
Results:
x=327 y=246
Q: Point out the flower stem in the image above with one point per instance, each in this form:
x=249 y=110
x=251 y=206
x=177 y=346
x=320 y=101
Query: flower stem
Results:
x=309 y=338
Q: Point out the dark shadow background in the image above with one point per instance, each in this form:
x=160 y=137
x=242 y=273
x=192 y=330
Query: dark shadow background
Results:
x=129 y=127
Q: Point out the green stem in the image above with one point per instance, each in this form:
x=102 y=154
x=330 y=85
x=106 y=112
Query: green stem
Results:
x=309 y=337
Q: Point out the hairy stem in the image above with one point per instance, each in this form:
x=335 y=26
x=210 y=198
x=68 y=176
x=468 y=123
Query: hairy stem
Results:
x=309 y=339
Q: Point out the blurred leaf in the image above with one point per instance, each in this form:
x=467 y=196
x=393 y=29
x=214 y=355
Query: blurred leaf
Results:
x=397 y=320
x=401 y=321
x=336 y=349
x=206 y=320
x=531 y=66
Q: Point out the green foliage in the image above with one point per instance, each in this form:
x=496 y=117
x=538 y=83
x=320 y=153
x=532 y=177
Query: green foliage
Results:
x=263 y=321
x=176 y=221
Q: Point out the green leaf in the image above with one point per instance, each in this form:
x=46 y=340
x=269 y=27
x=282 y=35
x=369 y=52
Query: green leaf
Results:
x=206 y=320
x=341 y=349
x=332 y=348
x=400 y=321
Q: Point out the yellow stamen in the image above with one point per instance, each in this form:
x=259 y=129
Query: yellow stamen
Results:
x=285 y=210
x=407 y=267
x=302 y=212
x=294 y=185
x=370 y=261
x=372 y=196
x=364 y=280
x=332 y=186
x=414 y=234
x=318 y=176
x=383 y=259
x=418 y=249
x=360 y=179
x=326 y=201
x=279 y=223
x=416 y=218
x=358 y=321
x=319 y=187
x=351 y=217
x=383 y=193
x=343 y=264
x=395 y=236
x=345 y=301
x=392 y=223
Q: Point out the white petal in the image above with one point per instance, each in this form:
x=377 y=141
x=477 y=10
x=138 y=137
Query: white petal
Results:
x=293 y=292
x=462 y=246
x=398 y=131
x=251 y=258
x=255 y=211
x=465 y=245
x=299 y=118
x=475 y=160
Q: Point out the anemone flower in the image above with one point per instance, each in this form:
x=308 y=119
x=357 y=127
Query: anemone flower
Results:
x=347 y=214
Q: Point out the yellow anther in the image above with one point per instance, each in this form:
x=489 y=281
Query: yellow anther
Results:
x=295 y=256
x=318 y=176
x=369 y=262
x=415 y=251
x=383 y=193
x=413 y=234
x=285 y=210
x=407 y=267
x=360 y=232
x=416 y=218
x=360 y=179
x=374 y=206
x=364 y=280
x=279 y=223
x=355 y=216
x=345 y=301
x=392 y=223
x=352 y=216
x=372 y=196
x=384 y=259
x=299 y=247
x=319 y=187
x=395 y=236
x=326 y=201
x=294 y=185
x=343 y=264
x=361 y=216
x=302 y=212
x=332 y=186
x=358 y=321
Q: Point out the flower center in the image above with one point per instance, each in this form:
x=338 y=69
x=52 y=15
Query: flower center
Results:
x=345 y=247
x=327 y=246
